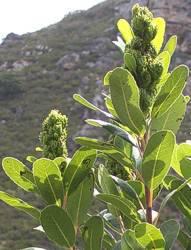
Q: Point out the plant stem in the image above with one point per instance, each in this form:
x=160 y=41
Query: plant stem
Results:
x=148 y=192
x=149 y=204
x=65 y=200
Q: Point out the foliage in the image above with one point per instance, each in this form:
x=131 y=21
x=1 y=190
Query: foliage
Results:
x=139 y=92
x=9 y=86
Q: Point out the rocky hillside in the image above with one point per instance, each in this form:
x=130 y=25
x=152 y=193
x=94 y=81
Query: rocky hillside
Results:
x=42 y=70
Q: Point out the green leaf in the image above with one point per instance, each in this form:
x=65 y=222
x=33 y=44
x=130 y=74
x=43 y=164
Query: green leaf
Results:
x=106 y=78
x=39 y=228
x=123 y=145
x=38 y=149
x=107 y=149
x=107 y=185
x=157 y=158
x=180 y=194
x=78 y=168
x=93 y=143
x=117 y=246
x=108 y=242
x=171 y=45
x=167 y=180
x=120 y=44
x=182 y=160
x=170 y=230
x=93 y=233
x=129 y=242
x=125 y=30
x=171 y=120
x=130 y=62
x=113 y=129
x=58 y=226
x=49 y=181
x=125 y=98
x=184 y=239
x=110 y=107
x=62 y=163
x=19 y=204
x=122 y=204
x=80 y=200
x=187 y=224
x=105 y=181
x=159 y=38
x=133 y=190
x=170 y=91
x=149 y=237
x=122 y=78
x=162 y=80
x=19 y=174
x=31 y=158
x=60 y=160
x=89 y=105
x=33 y=248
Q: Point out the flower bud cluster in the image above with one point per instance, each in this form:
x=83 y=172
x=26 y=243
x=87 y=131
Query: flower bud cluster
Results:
x=148 y=70
x=54 y=135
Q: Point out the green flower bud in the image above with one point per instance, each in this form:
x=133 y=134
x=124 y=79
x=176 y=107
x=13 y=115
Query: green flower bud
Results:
x=142 y=24
x=148 y=71
x=156 y=70
x=146 y=100
x=54 y=135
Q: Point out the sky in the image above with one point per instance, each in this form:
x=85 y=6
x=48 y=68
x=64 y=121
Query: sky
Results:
x=22 y=16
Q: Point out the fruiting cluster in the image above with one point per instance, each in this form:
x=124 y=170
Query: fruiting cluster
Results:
x=148 y=69
x=54 y=134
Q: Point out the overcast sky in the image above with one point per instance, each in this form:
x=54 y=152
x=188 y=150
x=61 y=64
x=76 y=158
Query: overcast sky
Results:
x=22 y=16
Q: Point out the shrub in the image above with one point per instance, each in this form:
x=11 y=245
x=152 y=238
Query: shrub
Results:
x=9 y=86
x=145 y=107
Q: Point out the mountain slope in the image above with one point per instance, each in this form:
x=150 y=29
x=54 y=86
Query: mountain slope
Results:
x=42 y=70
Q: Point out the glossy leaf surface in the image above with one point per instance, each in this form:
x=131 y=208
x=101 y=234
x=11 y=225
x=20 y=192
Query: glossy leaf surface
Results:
x=113 y=129
x=105 y=148
x=157 y=158
x=125 y=30
x=170 y=91
x=125 y=99
x=171 y=120
x=89 y=105
x=19 y=173
x=149 y=237
x=58 y=226
x=182 y=160
x=19 y=204
x=159 y=38
x=170 y=230
x=122 y=204
x=78 y=168
x=171 y=45
x=93 y=234
x=49 y=181
x=80 y=200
